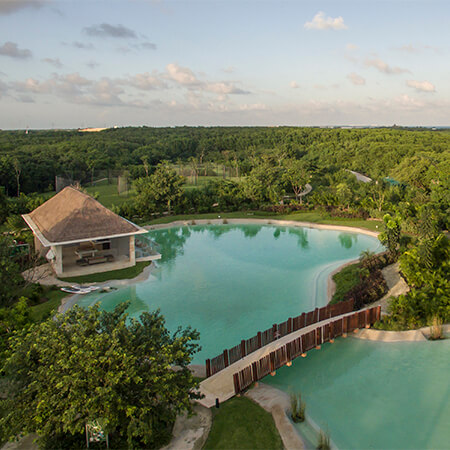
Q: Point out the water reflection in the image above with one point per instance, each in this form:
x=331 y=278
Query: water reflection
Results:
x=171 y=242
x=348 y=239
x=302 y=236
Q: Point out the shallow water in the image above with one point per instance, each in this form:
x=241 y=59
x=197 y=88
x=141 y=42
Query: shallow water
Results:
x=231 y=281
x=375 y=395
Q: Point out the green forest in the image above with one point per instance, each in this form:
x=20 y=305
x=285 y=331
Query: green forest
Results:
x=156 y=174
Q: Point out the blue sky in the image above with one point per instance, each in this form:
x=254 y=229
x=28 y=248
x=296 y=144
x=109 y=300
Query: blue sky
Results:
x=70 y=64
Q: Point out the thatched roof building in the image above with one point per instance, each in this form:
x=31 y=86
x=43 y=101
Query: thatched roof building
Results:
x=81 y=232
x=73 y=216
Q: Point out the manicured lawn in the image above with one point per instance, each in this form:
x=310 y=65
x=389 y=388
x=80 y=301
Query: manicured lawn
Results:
x=346 y=279
x=122 y=274
x=108 y=195
x=240 y=423
x=303 y=216
x=44 y=310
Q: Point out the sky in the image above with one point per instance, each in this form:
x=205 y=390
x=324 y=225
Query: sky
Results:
x=88 y=63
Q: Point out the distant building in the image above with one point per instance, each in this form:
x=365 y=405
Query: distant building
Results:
x=79 y=236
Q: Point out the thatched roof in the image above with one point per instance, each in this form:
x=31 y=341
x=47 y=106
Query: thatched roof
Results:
x=73 y=216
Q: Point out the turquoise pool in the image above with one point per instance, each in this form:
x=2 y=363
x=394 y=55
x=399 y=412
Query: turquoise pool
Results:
x=375 y=395
x=231 y=281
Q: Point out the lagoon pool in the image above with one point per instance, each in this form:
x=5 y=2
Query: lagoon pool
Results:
x=231 y=281
x=375 y=395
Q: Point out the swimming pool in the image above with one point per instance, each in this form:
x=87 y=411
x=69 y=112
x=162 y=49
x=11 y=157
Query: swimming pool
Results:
x=375 y=394
x=231 y=281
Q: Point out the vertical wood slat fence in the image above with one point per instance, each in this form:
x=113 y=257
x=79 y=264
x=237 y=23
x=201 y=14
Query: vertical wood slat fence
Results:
x=313 y=339
x=277 y=331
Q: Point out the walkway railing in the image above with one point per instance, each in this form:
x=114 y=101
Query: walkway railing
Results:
x=277 y=331
x=299 y=346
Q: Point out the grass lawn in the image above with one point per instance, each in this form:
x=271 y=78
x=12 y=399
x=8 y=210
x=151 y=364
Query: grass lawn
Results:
x=347 y=278
x=108 y=195
x=240 y=423
x=122 y=274
x=44 y=310
x=302 y=216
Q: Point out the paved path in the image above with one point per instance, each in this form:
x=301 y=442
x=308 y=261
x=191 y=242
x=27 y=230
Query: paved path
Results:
x=190 y=433
x=306 y=191
x=277 y=403
x=220 y=385
x=395 y=283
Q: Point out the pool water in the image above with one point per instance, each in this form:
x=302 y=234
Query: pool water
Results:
x=375 y=395
x=231 y=281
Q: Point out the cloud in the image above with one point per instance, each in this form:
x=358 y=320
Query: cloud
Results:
x=223 y=88
x=185 y=77
x=182 y=75
x=383 y=67
x=108 y=30
x=92 y=64
x=415 y=49
x=80 y=45
x=421 y=86
x=147 y=46
x=229 y=69
x=356 y=79
x=11 y=6
x=55 y=62
x=351 y=47
x=12 y=50
x=320 y=22
x=294 y=85
x=147 y=81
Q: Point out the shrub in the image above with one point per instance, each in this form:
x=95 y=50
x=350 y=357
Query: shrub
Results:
x=324 y=441
x=298 y=407
x=436 y=331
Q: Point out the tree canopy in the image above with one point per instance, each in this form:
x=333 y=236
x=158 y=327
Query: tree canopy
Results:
x=95 y=365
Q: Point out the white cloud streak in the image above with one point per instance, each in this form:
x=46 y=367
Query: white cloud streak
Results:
x=322 y=22
x=383 y=67
x=356 y=79
x=421 y=86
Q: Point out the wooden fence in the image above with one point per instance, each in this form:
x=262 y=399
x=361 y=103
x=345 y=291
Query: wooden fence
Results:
x=299 y=346
x=277 y=331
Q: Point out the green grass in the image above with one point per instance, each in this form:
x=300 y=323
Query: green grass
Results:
x=121 y=274
x=345 y=280
x=303 y=216
x=240 y=423
x=203 y=180
x=108 y=195
x=44 y=310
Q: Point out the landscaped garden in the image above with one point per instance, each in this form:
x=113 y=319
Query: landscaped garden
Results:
x=409 y=209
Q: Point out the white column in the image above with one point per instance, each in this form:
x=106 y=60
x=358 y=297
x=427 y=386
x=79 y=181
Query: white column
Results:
x=58 y=265
x=132 y=251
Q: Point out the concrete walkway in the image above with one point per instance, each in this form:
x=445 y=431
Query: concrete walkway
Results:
x=395 y=283
x=220 y=385
x=277 y=403
x=190 y=433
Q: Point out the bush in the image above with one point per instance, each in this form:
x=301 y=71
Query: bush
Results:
x=298 y=407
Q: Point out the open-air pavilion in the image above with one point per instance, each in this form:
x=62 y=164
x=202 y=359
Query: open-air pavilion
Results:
x=79 y=236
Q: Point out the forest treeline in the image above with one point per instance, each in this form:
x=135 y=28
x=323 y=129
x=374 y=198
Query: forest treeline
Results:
x=30 y=162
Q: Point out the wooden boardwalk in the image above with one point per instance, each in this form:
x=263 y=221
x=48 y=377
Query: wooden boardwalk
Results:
x=221 y=385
